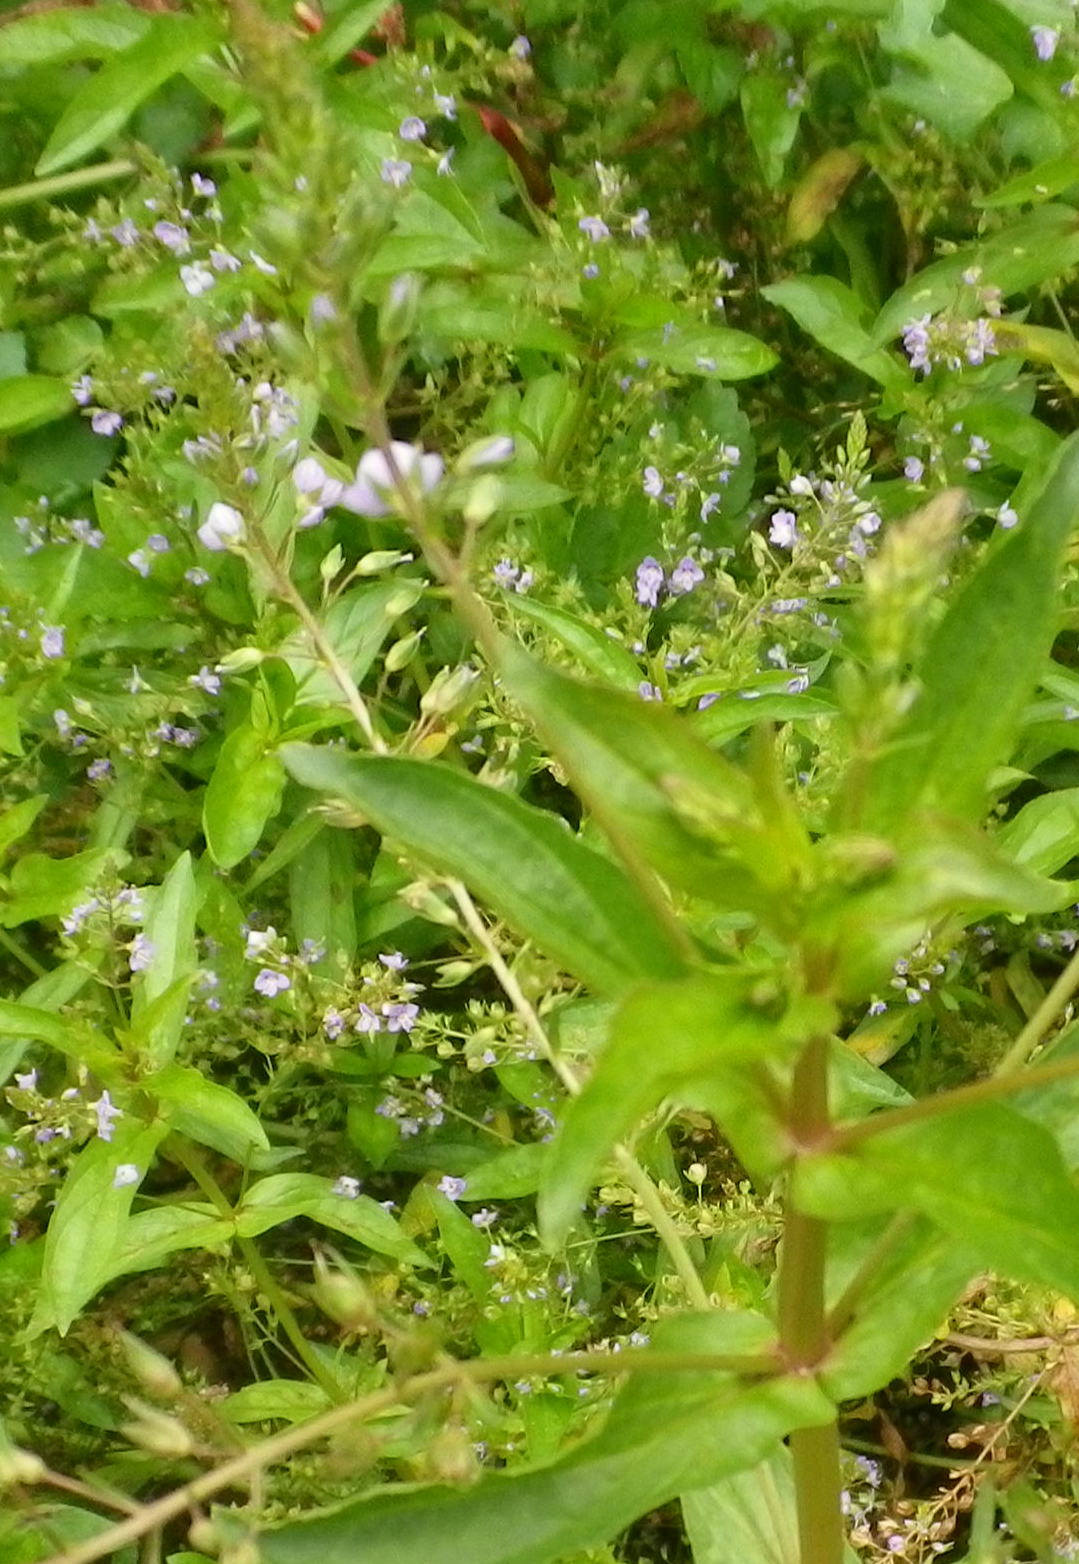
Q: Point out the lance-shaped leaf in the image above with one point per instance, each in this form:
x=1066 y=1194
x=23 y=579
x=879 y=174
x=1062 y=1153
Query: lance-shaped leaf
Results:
x=981 y=665
x=666 y=1434
x=663 y=1038
x=985 y=1172
x=659 y=793
x=524 y=864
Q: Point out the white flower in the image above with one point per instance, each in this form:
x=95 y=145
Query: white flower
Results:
x=783 y=531
x=412 y=128
x=223 y=526
x=349 y=1187
x=308 y=475
x=127 y=1173
x=374 y=491
x=1045 y=40
x=197 y=278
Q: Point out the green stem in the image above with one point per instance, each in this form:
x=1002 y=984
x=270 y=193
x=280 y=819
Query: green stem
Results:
x=1042 y=1019
x=30 y=962
x=989 y=1090
x=275 y=1297
x=242 y=1468
x=803 y=1323
x=64 y=184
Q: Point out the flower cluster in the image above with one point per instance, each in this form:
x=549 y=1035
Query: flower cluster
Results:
x=946 y=340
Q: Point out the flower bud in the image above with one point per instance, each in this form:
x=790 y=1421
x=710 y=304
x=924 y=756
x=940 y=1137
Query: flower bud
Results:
x=380 y=559
x=156 y=1431
x=491 y=451
x=239 y=661
x=425 y=901
x=452 y=692
x=341 y=1294
x=451 y=1456
x=484 y=498
x=402 y=652
x=397 y=316
x=18 y=1466
x=154 y=1373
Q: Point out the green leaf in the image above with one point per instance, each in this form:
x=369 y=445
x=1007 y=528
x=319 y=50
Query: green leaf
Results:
x=1042 y=244
x=725 y=719
x=87 y=1225
x=912 y=1285
x=207 y=1112
x=641 y=771
x=107 y=101
x=747 y=1518
x=160 y=992
x=356 y=625
x=981 y=665
x=833 y=316
x=43 y=887
x=1056 y=1105
x=283 y=1196
x=1044 y=835
x=275 y=1400
x=51 y=37
x=507 y=1175
x=33 y=1017
x=574 y=903
x=1048 y=179
x=151 y=1236
x=663 y=1039
x=698 y=350
x=10 y=723
x=347 y=30
x=665 y=1434
x=940 y=78
x=771 y=120
x=27 y=401
x=602 y=655
x=243 y=794
x=986 y=1173
x=322 y=884
x=16 y=821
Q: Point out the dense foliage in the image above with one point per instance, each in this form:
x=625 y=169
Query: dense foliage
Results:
x=539 y=713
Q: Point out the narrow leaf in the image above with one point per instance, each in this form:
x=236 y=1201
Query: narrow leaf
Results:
x=107 y=101
x=283 y=1196
x=574 y=903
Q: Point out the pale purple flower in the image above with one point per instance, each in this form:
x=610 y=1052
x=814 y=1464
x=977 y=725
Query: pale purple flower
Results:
x=594 y=228
x=105 y=1111
x=366 y=1020
x=197 y=576
x=400 y=1017
x=139 y=561
x=203 y=186
x=444 y=165
x=396 y=171
x=257 y=941
x=394 y=961
x=27 y=1082
x=485 y=1217
x=638 y=224
x=333 y=1023
x=981 y=342
x=197 y=278
x=648 y=691
x=914 y=469
x=103 y=422
x=446 y=104
x=206 y=680
x=649 y=582
x=591 y=271
x=173 y=237
x=223 y=526
x=224 y=261
x=52 y=641
x=520 y=48
x=783 y=529
x=492 y=452
x=1007 y=517
x=452 y=1188
x=348 y=1187
x=269 y=982
x=83 y=390
x=261 y=264
x=126 y=1174
x=308 y=475
x=98 y=770
x=373 y=493
x=141 y=953
x=916 y=343
x=412 y=128
x=126 y=234
x=506 y=573
x=1045 y=40
x=684 y=577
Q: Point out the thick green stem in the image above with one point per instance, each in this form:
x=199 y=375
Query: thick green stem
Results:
x=803 y=1322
